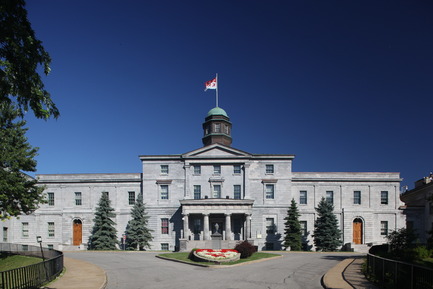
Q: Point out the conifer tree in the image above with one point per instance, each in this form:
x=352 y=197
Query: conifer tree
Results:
x=104 y=235
x=327 y=235
x=138 y=235
x=18 y=192
x=292 y=229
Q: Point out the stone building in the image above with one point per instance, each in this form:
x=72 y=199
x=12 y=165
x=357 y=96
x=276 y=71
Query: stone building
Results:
x=419 y=207
x=214 y=191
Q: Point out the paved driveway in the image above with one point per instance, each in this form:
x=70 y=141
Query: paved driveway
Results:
x=129 y=270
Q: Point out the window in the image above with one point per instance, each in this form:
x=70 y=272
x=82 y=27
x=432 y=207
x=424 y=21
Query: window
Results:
x=270 y=226
x=217 y=127
x=25 y=247
x=51 y=230
x=303 y=225
x=330 y=196
x=197 y=192
x=197 y=170
x=131 y=198
x=25 y=230
x=50 y=199
x=164 y=226
x=384 y=197
x=107 y=194
x=237 y=192
x=237 y=169
x=164 y=247
x=216 y=191
x=164 y=192
x=50 y=246
x=5 y=234
x=270 y=191
x=384 y=228
x=303 y=197
x=78 y=201
x=269 y=169
x=357 y=197
x=216 y=169
x=164 y=169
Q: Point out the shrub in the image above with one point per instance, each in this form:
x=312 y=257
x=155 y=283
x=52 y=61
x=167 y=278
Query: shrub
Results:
x=191 y=254
x=422 y=252
x=246 y=249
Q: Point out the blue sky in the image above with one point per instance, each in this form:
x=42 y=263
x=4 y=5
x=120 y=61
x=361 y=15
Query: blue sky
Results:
x=343 y=85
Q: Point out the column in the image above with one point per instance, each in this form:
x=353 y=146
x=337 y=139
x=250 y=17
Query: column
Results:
x=185 y=226
x=248 y=226
x=228 y=227
x=206 y=226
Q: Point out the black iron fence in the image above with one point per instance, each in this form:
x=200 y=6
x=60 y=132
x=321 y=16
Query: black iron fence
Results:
x=32 y=276
x=399 y=275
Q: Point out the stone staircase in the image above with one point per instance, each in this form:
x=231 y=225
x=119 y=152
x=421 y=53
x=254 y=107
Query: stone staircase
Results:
x=72 y=248
x=360 y=248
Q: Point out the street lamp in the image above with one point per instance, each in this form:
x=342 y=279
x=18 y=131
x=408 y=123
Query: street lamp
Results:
x=39 y=240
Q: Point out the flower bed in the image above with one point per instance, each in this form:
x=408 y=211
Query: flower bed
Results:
x=222 y=255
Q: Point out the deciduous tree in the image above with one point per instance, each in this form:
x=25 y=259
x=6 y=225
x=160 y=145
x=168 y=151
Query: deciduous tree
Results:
x=21 y=58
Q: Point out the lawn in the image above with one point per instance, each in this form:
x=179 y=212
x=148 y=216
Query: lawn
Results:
x=8 y=262
x=184 y=258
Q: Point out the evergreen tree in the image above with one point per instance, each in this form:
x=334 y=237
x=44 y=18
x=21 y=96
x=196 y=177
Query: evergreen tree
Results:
x=292 y=229
x=327 y=235
x=138 y=235
x=18 y=192
x=104 y=235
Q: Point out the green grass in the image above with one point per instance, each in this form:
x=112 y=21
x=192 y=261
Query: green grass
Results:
x=184 y=258
x=427 y=262
x=8 y=262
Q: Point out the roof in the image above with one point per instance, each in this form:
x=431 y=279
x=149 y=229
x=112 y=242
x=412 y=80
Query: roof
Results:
x=217 y=111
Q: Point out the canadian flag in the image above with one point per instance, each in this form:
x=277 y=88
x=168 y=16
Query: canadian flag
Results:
x=211 y=84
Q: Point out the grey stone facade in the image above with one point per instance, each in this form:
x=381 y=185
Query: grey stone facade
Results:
x=246 y=196
x=419 y=208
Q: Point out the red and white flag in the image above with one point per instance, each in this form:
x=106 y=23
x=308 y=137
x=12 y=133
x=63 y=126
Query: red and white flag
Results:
x=211 y=84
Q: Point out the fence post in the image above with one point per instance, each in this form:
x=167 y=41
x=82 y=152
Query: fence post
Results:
x=412 y=283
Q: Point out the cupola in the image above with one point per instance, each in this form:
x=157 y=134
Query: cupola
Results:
x=217 y=127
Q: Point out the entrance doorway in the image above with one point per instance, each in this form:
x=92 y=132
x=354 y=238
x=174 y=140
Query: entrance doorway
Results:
x=357 y=231
x=77 y=232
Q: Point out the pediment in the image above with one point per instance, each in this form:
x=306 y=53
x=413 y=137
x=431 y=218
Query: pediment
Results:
x=216 y=151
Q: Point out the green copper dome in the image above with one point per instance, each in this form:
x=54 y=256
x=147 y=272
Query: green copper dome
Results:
x=217 y=111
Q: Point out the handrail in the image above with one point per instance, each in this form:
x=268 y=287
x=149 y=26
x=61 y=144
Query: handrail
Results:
x=31 y=276
x=390 y=273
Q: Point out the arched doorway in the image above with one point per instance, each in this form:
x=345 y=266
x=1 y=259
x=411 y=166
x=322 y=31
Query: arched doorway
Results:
x=77 y=232
x=357 y=231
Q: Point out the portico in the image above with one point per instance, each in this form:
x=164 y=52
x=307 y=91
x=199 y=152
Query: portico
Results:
x=204 y=218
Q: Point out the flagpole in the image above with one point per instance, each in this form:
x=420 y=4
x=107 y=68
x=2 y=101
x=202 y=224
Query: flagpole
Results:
x=216 y=89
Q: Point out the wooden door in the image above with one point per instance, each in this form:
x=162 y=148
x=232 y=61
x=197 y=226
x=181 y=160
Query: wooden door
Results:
x=77 y=230
x=357 y=231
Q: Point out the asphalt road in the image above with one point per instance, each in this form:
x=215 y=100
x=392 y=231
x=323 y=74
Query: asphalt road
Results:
x=133 y=270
